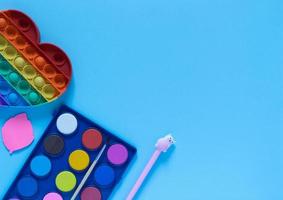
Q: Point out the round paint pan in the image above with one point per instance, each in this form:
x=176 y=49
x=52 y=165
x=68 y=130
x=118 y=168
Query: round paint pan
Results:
x=91 y=193
x=54 y=145
x=67 y=123
x=104 y=176
x=117 y=154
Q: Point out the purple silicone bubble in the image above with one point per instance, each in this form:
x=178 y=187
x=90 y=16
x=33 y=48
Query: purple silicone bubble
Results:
x=117 y=154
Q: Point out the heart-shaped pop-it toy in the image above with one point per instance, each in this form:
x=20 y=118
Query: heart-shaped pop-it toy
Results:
x=31 y=73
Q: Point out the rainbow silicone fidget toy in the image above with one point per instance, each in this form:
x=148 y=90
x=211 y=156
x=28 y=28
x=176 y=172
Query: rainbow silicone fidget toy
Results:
x=64 y=154
x=31 y=73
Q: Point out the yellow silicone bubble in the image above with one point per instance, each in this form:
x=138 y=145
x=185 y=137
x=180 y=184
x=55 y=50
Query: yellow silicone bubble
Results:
x=65 y=181
x=29 y=72
x=79 y=160
x=3 y=43
x=19 y=63
x=48 y=91
x=10 y=52
x=39 y=82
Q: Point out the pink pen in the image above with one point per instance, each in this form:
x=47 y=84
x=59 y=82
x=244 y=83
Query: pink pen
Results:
x=162 y=145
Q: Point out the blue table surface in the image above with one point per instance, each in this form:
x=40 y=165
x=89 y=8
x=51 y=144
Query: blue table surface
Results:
x=209 y=72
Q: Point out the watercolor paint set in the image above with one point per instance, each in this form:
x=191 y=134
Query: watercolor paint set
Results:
x=74 y=159
x=34 y=72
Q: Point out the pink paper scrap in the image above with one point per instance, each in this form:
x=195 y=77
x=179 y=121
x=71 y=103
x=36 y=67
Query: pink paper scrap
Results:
x=17 y=133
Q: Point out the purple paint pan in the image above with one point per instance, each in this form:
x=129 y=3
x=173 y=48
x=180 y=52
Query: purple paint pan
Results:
x=117 y=154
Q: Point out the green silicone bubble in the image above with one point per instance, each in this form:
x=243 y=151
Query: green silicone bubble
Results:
x=23 y=87
x=14 y=78
x=4 y=68
x=33 y=97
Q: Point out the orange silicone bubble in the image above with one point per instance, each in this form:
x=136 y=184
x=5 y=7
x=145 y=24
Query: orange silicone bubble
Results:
x=60 y=81
x=21 y=42
x=11 y=32
x=39 y=62
x=30 y=52
x=3 y=23
x=49 y=71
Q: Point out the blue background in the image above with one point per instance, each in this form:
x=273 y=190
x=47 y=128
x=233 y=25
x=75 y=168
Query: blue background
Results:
x=209 y=72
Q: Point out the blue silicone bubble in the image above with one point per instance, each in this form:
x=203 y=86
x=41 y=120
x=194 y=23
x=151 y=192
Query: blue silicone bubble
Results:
x=104 y=175
x=4 y=88
x=40 y=166
x=13 y=98
x=9 y=95
x=27 y=187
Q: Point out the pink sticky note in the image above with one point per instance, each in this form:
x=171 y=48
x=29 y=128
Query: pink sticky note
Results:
x=17 y=133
